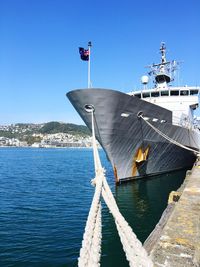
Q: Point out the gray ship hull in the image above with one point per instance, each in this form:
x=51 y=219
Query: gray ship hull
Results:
x=134 y=149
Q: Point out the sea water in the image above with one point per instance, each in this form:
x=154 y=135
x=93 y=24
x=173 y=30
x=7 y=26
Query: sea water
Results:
x=45 y=197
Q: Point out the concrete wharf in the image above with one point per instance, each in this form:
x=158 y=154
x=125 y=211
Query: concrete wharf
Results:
x=175 y=241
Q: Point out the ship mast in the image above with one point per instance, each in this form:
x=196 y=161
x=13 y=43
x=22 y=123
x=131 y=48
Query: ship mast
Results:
x=163 y=72
x=163 y=54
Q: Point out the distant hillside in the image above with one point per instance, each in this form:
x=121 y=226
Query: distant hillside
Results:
x=57 y=127
x=25 y=131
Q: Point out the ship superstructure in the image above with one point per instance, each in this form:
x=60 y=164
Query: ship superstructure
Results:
x=182 y=101
x=134 y=148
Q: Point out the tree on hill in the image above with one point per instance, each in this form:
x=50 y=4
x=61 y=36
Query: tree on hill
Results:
x=57 y=127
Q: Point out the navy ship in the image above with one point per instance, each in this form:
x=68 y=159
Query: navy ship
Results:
x=146 y=132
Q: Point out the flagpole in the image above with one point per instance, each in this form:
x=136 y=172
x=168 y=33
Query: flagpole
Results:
x=89 y=81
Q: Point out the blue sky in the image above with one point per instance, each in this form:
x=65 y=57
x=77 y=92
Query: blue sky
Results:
x=39 y=59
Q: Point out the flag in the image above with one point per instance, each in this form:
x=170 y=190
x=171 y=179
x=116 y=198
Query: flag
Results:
x=84 y=53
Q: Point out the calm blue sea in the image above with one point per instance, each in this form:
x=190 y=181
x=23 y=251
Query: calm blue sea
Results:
x=45 y=196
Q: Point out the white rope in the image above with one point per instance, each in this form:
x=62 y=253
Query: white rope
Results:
x=135 y=253
x=91 y=245
x=167 y=137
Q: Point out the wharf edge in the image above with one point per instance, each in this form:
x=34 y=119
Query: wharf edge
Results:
x=175 y=241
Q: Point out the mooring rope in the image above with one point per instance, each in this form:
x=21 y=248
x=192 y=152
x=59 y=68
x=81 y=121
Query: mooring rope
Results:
x=167 y=137
x=90 y=252
x=91 y=244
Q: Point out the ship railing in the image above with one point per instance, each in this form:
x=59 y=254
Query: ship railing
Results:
x=184 y=121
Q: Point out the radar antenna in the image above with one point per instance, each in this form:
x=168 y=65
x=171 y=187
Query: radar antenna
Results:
x=163 y=72
x=163 y=52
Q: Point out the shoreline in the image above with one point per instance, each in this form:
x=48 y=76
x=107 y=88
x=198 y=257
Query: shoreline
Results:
x=49 y=147
x=66 y=147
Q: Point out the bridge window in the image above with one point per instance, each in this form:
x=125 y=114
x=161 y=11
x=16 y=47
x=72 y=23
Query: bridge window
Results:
x=138 y=95
x=154 y=94
x=147 y=94
x=194 y=92
x=174 y=93
x=164 y=93
x=184 y=92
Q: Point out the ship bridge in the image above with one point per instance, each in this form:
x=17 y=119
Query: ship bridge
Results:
x=182 y=101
